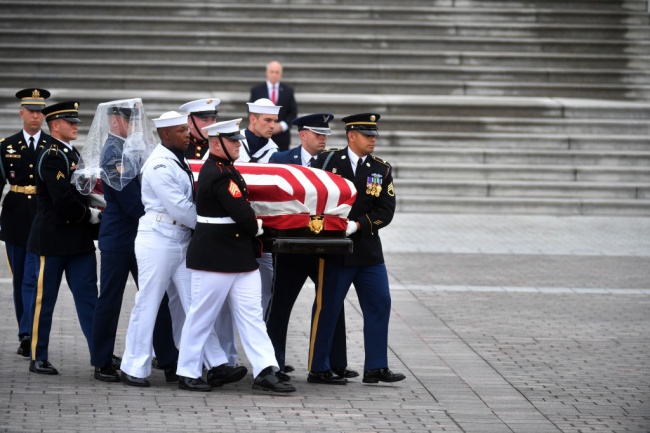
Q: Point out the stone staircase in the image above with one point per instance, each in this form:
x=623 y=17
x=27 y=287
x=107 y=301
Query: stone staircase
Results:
x=487 y=105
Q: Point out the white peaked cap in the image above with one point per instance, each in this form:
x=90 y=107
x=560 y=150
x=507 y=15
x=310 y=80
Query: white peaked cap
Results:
x=263 y=106
x=170 y=118
x=228 y=129
x=200 y=105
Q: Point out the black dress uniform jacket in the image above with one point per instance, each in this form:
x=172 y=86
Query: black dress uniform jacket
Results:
x=197 y=148
x=373 y=208
x=18 y=168
x=62 y=224
x=222 y=192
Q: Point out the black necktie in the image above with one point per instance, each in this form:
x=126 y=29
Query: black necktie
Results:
x=311 y=162
x=359 y=163
x=31 y=143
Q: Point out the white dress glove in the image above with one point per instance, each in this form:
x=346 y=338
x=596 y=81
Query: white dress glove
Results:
x=95 y=215
x=352 y=228
x=260 y=230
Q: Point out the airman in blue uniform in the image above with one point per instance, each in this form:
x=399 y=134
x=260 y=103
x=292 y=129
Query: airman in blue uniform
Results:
x=117 y=232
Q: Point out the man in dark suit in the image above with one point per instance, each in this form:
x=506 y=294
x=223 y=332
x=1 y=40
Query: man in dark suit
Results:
x=372 y=210
x=17 y=166
x=292 y=270
x=62 y=235
x=282 y=95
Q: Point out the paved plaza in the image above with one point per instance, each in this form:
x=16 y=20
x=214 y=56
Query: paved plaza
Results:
x=501 y=323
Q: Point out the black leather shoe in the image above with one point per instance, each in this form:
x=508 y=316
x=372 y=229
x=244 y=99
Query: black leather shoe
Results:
x=326 y=377
x=191 y=384
x=170 y=372
x=107 y=374
x=267 y=381
x=42 y=367
x=382 y=375
x=116 y=361
x=283 y=376
x=224 y=373
x=288 y=368
x=154 y=363
x=345 y=372
x=24 y=347
x=134 y=381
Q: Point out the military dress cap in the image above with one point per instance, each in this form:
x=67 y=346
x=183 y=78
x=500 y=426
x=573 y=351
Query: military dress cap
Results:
x=263 y=106
x=68 y=110
x=170 y=118
x=229 y=129
x=318 y=123
x=33 y=99
x=365 y=123
x=125 y=112
x=202 y=107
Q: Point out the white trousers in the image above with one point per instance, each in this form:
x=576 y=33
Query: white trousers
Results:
x=210 y=291
x=266 y=273
x=161 y=268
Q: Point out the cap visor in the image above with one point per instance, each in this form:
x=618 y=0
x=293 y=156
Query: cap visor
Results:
x=368 y=131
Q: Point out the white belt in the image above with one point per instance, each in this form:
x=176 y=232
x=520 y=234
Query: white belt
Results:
x=165 y=218
x=215 y=220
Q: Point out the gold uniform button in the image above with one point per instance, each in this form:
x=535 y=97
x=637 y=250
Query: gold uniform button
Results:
x=237 y=235
x=31 y=165
x=31 y=176
x=29 y=196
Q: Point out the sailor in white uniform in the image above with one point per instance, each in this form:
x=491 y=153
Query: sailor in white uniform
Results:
x=257 y=146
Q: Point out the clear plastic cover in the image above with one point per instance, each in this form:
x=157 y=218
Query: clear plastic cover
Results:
x=120 y=139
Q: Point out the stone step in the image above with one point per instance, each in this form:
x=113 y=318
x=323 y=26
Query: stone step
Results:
x=522 y=205
x=173 y=48
x=521 y=172
x=363 y=27
x=399 y=155
x=624 y=5
x=368 y=86
x=238 y=11
x=529 y=189
x=15 y=59
x=94 y=34
x=509 y=141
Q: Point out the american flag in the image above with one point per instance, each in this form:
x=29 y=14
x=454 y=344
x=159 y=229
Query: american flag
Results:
x=286 y=196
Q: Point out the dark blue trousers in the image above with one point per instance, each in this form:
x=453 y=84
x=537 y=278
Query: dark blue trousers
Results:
x=371 y=285
x=290 y=273
x=114 y=272
x=24 y=284
x=81 y=275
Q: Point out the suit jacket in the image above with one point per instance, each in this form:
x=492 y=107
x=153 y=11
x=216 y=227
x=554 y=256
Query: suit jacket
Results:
x=291 y=156
x=221 y=192
x=288 y=112
x=18 y=167
x=62 y=223
x=373 y=208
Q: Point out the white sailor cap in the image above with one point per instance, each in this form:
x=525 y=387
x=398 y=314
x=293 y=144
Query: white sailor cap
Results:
x=228 y=129
x=201 y=107
x=263 y=106
x=170 y=118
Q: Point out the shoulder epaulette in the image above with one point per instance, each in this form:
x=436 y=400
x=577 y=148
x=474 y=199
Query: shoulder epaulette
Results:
x=330 y=150
x=381 y=161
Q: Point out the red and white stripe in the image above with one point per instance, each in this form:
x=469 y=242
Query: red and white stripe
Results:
x=284 y=196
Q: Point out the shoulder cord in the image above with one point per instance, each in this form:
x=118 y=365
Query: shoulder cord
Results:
x=327 y=160
x=40 y=162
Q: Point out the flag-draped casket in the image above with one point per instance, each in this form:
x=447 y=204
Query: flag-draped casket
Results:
x=297 y=201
